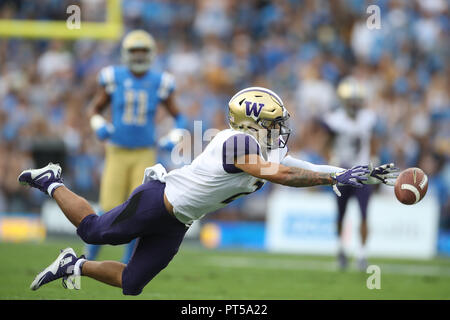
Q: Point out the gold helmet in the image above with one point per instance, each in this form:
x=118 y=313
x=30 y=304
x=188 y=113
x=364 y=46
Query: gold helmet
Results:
x=138 y=50
x=352 y=93
x=261 y=113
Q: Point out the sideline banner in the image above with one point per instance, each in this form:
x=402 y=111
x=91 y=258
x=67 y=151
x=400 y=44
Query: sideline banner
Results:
x=305 y=222
x=21 y=227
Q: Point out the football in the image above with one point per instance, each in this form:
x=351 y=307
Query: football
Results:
x=411 y=186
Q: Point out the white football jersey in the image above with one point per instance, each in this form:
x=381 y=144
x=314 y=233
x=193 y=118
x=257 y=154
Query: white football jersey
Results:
x=352 y=142
x=212 y=181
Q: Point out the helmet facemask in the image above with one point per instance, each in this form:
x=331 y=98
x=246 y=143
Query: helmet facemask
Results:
x=351 y=93
x=277 y=131
x=138 y=59
x=352 y=106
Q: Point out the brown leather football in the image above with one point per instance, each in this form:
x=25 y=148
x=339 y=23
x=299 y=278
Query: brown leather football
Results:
x=411 y=186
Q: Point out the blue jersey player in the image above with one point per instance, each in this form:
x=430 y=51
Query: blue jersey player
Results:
x=133 y=91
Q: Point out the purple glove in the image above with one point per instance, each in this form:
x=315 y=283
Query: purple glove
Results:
x=350 y=177
x=386 y=173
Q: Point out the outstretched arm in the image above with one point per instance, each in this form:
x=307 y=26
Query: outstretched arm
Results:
x=296 y=177
x=386 y=173
x=297 y=163
x=292 y=176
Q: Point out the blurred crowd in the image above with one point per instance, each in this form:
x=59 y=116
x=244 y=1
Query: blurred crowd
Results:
x=301 y=49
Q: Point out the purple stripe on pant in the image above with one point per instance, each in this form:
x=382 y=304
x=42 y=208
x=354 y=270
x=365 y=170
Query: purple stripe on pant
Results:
x=145 y=217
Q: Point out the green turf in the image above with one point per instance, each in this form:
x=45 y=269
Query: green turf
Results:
x=197 y=273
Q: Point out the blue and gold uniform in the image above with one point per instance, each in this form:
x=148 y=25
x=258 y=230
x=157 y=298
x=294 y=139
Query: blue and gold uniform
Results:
x=131 y=146
x=134 y=92
x=134 y=101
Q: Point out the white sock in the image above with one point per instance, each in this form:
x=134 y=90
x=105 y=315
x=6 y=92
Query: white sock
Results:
x=74 y=281
x=362 y=254
x=78 y=266
x=52 y=187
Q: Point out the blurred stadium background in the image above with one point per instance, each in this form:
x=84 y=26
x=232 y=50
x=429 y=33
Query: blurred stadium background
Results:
x=300 y=49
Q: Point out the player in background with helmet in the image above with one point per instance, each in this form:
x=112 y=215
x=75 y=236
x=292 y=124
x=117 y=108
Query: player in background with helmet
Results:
x=351 y=128
x=236 y=162
x=134 y=91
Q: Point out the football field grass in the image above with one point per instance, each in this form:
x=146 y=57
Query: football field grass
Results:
x=197 y=273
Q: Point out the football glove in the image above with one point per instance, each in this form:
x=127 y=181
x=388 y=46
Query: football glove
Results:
x=156 y=172
x=169 y=141
x=180 y=121
x=101 y=127
x=386 y=173
x=350 y=177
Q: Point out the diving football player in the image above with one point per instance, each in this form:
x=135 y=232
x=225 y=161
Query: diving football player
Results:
x=236 y=162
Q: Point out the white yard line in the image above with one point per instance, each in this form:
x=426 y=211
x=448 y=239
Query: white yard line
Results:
x=320 y=265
